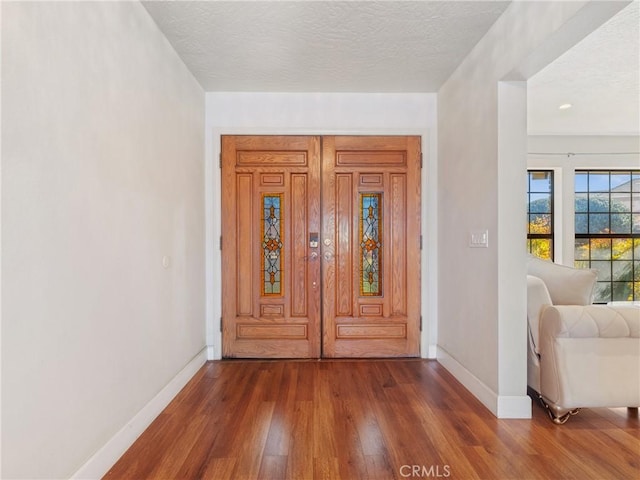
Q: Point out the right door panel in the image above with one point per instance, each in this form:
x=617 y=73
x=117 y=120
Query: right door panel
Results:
x=371 y=246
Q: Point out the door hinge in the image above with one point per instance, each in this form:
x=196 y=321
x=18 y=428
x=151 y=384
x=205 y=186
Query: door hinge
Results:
x=420 y=242
x=220 y=161
x=420 y=159
x=220 y=242
x=420 y=322
x=221 y=325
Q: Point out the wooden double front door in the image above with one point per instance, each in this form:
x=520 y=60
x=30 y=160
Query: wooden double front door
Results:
x=320 y=246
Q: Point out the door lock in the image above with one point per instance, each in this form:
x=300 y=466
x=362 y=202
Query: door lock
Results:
x=313 y=240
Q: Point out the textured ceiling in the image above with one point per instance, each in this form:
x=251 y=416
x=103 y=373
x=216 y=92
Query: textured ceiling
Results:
x=600 y=77
x=323 y=46
x=398 y=46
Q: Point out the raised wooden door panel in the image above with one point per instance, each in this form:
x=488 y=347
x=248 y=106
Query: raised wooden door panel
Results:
x=271 y=273
x=371 y=246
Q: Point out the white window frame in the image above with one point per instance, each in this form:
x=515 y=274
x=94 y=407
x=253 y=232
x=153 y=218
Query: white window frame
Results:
x=564 y=167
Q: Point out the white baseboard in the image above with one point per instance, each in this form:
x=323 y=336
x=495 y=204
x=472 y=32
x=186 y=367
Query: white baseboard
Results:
x=98 y=465
x=500 y=406
x=432 y=352
x=514 y=406
x=211 y=353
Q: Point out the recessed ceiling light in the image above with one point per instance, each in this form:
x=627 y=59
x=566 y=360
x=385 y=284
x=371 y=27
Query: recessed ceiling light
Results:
x=565 y=106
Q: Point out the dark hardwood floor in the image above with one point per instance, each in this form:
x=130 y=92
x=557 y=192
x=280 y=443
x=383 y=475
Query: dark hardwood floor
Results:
x=373 y=419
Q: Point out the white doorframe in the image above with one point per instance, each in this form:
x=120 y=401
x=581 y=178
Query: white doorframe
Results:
x=386 y=114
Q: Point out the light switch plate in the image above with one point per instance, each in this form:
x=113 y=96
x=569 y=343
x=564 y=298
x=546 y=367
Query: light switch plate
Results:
x=479 y=239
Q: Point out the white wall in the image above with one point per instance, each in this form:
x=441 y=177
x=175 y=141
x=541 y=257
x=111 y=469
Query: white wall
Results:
x=102 y=177
x=481 y=330
x=318 y=114
x=564 y=154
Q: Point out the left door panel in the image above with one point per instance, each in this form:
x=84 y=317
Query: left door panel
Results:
x=270 y=253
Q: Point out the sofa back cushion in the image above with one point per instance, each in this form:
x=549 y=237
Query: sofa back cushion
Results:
x=566 y=285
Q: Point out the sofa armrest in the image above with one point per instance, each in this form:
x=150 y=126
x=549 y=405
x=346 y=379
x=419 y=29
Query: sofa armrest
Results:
x=590 y=321
x=590 y=356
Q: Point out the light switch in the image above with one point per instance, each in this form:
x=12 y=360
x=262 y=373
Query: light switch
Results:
x=479 y=239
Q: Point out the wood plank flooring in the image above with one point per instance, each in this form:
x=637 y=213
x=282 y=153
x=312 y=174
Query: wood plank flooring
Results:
x=373 y=419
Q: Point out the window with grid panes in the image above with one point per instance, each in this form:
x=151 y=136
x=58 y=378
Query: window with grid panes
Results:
x=540 y=213
x=607 y=231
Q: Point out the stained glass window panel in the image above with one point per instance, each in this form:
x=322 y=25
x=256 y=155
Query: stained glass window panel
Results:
x=272 y=244
x=370 y=244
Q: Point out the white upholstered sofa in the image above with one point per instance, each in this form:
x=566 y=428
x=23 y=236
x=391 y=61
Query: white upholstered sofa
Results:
x=580 y=355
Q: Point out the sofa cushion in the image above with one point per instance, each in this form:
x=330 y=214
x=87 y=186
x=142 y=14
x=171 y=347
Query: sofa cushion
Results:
x=566 y=285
